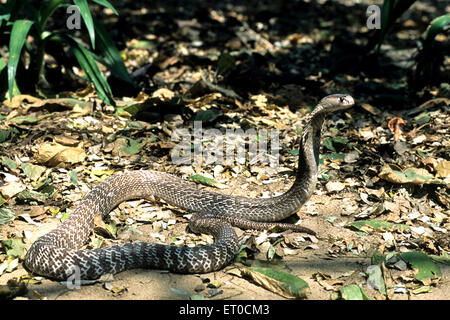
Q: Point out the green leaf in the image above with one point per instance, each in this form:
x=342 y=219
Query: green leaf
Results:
x=438 y=25
x=4 y=135
x=28 y=196
x=390 y=12
x=6 y=215
x=353 y=292
x=66 y=215
x=386 y=16
x=73 y=177
x=32 y=171
x=375 y=278
x=366 y=225
x=426 y=268
x=46 y=189
x=283 y=283
x=422 y=118
x=422 y=289
x=206 y=181
x=17 y=38
x=111 y=228
x=410 y=175
x=87 y=63
x=443 y=258
x=181 y=293
x=377 y=258
x=333 y=144
x=87 y=18
x=113 y=59
x=14 y=247
x=331 y=219
x=8 y=162
x=207 y=115
x=5 y=11
x=4 y=79
x=133 y=148
x=25 y=120
x=47 y=11
x=225 y=63
x=107 y=5
x=328 y=143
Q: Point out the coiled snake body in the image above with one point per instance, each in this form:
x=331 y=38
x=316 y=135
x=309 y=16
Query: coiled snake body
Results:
x=56 y=254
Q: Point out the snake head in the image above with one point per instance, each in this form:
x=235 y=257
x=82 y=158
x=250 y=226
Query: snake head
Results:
x=335 y=102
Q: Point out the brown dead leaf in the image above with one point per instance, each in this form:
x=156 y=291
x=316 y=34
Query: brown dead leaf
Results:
x=297 y=38
x=54 y=154
x=326 y=282
x=66 y=140
x=430 y=104
x=118 y=145
x=259 y=100
x=371 y=109
x=10 y=189
x=165 y=63
x=409 y=175
x=62 y=104
x=330 y=285
x=443 y=169
x=163 y=94
x=18 y=100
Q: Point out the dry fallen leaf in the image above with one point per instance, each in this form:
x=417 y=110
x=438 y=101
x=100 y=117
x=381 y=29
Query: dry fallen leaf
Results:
x=163 y=94
x=410 y=175
x=443 y=169
x=369 y=108
x=54 y=154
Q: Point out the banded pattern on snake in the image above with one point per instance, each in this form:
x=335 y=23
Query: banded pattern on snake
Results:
x=56 y=253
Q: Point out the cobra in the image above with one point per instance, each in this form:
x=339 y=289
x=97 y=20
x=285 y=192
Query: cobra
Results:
x=56 y=253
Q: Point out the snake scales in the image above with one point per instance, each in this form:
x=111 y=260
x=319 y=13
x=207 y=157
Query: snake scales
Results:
x=56 y=253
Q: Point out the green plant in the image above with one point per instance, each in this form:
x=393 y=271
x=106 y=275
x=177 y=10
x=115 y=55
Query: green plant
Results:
x=391 y=11
x=26 y=26
x=431 y=53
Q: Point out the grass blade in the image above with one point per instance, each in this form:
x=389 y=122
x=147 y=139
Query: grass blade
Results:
x=47 y=11
x=107 y=5
x=87 y=63
x=19 y=33
x=109 y=51
x=87 y=18
x=5 y=12
x=438 y=25
x=386 y=16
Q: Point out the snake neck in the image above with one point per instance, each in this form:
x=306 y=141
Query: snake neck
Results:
x=308 y=162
